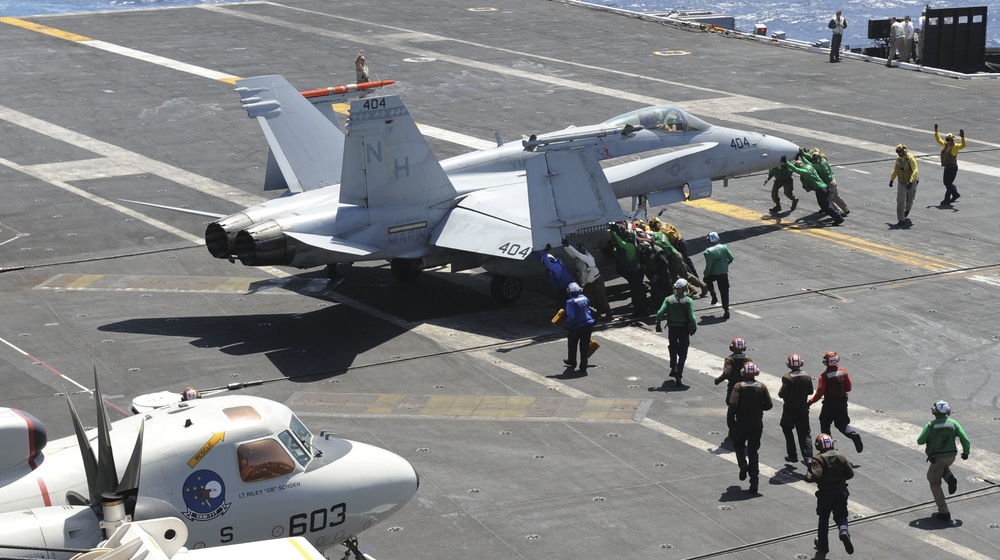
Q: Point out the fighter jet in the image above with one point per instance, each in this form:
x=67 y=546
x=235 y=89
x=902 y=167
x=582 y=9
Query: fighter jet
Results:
x=233 y=469
x=378 y=193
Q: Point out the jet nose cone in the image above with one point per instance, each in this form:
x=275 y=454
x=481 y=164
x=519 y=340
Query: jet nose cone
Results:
x=775 y=147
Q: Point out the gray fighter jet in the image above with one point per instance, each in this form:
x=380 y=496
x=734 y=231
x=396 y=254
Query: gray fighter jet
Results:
x=377 y=192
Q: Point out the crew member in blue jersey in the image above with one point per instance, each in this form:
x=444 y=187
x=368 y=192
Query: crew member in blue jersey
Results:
x=580 y=324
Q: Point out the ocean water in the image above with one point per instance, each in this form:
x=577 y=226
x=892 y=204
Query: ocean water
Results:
x=804 y=20
x=21 y=8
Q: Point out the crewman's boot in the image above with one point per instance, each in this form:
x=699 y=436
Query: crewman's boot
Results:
x=857 y=441
x=795 y=202
x=776 y=209
x=845 y=538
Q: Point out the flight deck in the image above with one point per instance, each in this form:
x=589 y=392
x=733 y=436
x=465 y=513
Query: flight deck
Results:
x=517 y=457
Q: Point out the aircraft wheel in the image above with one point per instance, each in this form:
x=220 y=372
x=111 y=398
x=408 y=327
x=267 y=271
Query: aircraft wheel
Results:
x=331 y=272
x=406 y=270
x=506 y=289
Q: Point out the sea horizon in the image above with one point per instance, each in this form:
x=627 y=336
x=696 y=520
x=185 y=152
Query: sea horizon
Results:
x=803 y=20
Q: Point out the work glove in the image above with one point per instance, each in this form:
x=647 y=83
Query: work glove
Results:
x=909 y=185
x=784 y=159
x=961 y=132
x=965 y=456
x=565 y=242
x=890 y=184
x=935 y=127
x=659 y=328
x=548 y=247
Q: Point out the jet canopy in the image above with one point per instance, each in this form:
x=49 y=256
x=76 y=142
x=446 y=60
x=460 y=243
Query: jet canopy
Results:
x=661 y=117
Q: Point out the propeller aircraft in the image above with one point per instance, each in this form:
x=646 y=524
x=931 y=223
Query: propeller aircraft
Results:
x=233 y=469
x=378 y=193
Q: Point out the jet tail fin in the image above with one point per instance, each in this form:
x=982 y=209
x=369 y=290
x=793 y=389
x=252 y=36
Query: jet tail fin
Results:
x=306 y=149
x=387 y=161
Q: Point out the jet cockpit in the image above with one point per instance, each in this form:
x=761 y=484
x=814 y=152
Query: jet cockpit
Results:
x=666 y=118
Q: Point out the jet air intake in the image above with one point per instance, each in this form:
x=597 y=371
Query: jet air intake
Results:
x=221 y=235
x=263 y=244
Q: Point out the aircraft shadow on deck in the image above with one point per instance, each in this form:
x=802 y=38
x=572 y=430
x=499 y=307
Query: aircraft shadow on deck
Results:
x=326 y=342
x=318 y=344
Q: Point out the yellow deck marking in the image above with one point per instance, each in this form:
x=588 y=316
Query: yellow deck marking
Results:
x=885 y=251
x=302 y=551
x=83 y=281
x=45 y=30
x=472 y=406
x=175 y=284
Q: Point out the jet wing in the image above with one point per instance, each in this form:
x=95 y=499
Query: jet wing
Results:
x=306 y=149
x=489 y=222
x=564 y=191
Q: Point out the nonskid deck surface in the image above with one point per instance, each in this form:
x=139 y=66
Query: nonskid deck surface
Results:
x=517 y=458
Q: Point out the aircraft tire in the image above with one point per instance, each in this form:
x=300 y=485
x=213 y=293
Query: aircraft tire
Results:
x=506 y=289
x=405 y=270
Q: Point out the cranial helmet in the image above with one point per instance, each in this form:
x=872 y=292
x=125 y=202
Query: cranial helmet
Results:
x=750 y=370
x=681 y=286
x=831 y=358
x=574 y=288
x=824 y=442
x=738 y=345
x=941 y=408
x=713 y=237
x=794 y=361
x=901 y=149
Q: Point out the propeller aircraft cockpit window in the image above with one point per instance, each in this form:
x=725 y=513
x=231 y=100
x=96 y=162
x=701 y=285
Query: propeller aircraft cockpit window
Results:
x=302 y=432
x=293 y=445
x=242 y=414
x=263 y=460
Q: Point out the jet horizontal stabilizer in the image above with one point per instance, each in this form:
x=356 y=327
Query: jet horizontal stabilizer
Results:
x=334 y=244
x=307 y=150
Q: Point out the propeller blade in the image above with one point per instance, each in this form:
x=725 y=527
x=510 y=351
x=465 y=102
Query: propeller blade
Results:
x=130 y=480
x=107 y=474
x=86 y=453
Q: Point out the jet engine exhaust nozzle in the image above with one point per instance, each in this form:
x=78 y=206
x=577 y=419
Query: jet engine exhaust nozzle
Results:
x=263 y=244
x=220 y=235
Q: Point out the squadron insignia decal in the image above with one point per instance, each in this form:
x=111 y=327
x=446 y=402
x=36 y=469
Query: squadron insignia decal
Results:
x=205 y=496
